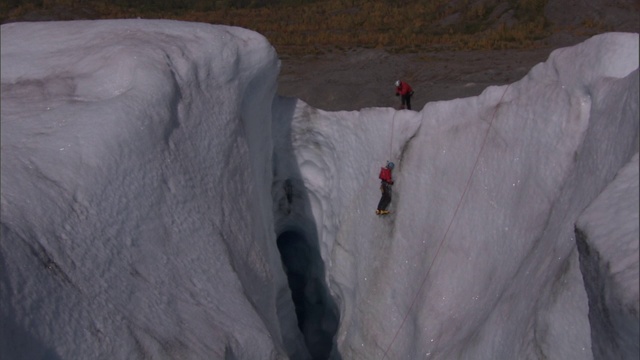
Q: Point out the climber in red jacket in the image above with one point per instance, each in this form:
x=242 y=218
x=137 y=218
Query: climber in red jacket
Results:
x=385 y=186
x=405 y=91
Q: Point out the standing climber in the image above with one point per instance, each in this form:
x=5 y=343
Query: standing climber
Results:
x=385 y=186
x=405 y=91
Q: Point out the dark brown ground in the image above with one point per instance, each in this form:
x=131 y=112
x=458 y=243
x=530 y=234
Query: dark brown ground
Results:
x=365 y=77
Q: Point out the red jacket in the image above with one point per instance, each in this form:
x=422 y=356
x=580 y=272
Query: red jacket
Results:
x=385 y=175
x=403 y=89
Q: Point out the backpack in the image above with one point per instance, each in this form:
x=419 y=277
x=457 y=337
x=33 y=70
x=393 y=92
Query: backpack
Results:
x=385 y=174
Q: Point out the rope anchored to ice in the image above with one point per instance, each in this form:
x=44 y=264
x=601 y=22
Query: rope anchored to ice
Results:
x=466 y=188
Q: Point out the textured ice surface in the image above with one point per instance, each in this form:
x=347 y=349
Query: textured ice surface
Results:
x=149 y=170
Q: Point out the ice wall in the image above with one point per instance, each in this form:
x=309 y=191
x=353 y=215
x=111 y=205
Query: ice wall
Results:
x=478 y=259
x=607 y=234
x=158 y=198
x=136 y=214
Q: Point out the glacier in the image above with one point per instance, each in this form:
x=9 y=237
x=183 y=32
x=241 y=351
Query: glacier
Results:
x=160 y=200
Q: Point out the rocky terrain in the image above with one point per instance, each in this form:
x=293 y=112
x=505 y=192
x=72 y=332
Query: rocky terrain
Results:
x=361 y=78
x=364 y=78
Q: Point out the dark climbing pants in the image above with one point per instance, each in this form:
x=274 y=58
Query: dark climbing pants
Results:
x=406 y=101
x=385 y=200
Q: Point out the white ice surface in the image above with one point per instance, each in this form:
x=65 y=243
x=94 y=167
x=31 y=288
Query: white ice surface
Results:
x=134 y=189
x=483 y=231
x=610 y=265
x=619 y=245
x=148 y=168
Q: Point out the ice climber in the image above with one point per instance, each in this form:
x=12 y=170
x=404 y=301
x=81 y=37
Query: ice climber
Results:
x=405 y=91
x=385 y=186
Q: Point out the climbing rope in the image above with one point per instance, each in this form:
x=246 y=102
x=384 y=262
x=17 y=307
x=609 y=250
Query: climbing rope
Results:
x=393 y=122
x=455 y=213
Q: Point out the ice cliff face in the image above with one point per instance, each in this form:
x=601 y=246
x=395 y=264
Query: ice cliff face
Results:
x=607 y=236
x=479 y=258
x=159 y=200
x=135 y=177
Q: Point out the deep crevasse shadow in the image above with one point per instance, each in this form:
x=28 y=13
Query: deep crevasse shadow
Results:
x=16 y=340
x=297 y=240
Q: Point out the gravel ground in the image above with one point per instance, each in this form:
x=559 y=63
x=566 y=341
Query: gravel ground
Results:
x=364 y=78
